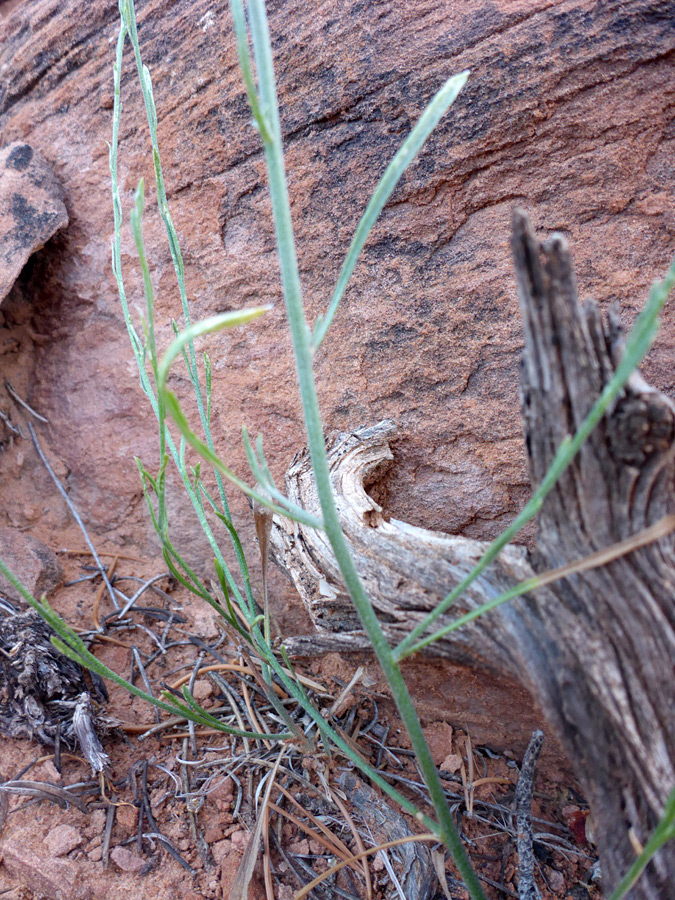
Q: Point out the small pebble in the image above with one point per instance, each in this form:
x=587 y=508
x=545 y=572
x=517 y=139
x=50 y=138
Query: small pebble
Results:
x=127 y=817
x=220 y=851
x=240 y=840
x=126 y=860
x=202 y=691
x=62 y=840
x=556 y=880
x=213 y=833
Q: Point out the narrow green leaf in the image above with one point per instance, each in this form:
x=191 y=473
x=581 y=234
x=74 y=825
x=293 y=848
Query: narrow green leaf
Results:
x=664 y=832
x=208 y=719
x=409 y=149
x=290 y=510
x=244 y=54
x=206 y=326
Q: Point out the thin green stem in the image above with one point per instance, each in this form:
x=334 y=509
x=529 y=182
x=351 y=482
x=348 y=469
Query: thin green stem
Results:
x=664 y=832
x=71 y=645
x=289 y=510
x=127 y=14
x=128 y=17
x=137 y=230
x=317 y=449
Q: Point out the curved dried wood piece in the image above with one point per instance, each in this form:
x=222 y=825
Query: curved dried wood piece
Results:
x=596 y=650
x=412 y=862
x=406 y=570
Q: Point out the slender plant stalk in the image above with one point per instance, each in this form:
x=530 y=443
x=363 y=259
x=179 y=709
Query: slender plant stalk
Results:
x=246 y=602
x=128 y=28
x=317 y=449
x=170 y=401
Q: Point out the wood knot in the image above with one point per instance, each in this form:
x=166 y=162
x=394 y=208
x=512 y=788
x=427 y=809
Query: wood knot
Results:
x=640 y=427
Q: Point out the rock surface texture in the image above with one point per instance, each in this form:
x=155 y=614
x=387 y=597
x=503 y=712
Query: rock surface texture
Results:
x=31 y=209
x=39 y=567
x=568 y=111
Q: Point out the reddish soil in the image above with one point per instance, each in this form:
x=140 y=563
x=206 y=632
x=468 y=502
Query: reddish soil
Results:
x=51 y=852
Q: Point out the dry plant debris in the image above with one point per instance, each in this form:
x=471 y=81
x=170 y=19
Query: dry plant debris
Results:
x=202 y=798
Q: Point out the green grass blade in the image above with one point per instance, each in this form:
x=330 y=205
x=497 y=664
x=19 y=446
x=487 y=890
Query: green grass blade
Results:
x=290 y=510
x=664 y=832
x=170 y=402
x=216 y=723
x=206 y=326
x=409 y=149
x=244 y=54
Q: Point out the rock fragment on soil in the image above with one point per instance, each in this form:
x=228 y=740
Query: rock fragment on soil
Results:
x=439 y=737
x=128 y=861
x=45 y=876
x=31 y=209
x=32 y=562
x=62 y=839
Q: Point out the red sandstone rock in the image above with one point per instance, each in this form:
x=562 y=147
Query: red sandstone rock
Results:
x=128 y=861
x=62 y=839
x=31 y=209
x=439 y=739
x=31 y=561
x=569 y=110
x=55 y=878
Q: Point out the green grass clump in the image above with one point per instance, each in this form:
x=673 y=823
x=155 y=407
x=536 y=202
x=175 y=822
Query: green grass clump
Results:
x=251 y=27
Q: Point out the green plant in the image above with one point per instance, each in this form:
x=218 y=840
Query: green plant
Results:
x=664 y=831
x=258 y=76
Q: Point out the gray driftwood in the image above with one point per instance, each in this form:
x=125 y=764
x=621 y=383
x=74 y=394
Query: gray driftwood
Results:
x=596 y=650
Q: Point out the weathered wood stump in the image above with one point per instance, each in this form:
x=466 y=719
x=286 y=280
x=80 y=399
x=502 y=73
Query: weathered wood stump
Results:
x=597 y=650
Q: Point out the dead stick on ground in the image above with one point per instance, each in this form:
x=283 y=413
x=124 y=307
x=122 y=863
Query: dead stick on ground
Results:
x=13 y=394
x=527 y=887
x=75 y=515
x=64 y=551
